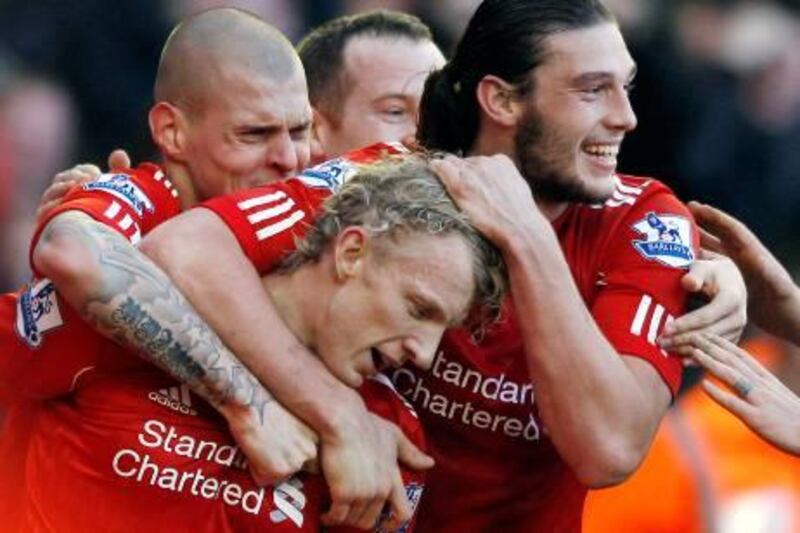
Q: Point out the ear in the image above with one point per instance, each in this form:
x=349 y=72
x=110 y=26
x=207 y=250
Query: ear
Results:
x=321 y=128
x=351 y=250
x=168 y=129
x=498 y=101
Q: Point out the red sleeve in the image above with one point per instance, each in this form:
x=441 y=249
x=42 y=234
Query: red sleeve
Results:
x=643 y=263
x=266 y=220
x=132 y=202
x=45 y=344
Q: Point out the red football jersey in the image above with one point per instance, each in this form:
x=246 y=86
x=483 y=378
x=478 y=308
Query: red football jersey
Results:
x=266 y=220
x=477 y=403
x=32 y=369
x=131 y=201
x=495 y=466
x=145 y=453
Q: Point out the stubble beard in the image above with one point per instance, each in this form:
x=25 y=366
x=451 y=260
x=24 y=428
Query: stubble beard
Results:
x=542 y=156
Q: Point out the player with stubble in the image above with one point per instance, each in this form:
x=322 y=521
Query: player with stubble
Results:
x=595 y=262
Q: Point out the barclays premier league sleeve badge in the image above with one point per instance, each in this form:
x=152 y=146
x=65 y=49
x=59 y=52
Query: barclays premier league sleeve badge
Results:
x=666 y=239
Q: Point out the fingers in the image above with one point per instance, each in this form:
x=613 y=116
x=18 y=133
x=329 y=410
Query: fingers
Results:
x=737 y=357
x=729 y=401
x=726 y=361
x=400 y=509
x=63 y=182
x=371 y=514
x=337 y=514
x=721 y=224
x=680 y=330
x=705 y=320
x=410 y=455
x=447 y=171
x=718 y=369
x=355 y=511
x=709 y=241
x=118 y=159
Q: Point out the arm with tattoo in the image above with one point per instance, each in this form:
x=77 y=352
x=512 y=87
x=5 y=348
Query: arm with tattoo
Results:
x=127 y=298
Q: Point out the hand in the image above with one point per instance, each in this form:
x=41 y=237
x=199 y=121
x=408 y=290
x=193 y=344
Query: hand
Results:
x=774 y=299
x=77 y=175
x=276 y=443
x=491 y=191
x=362 y=473
x=759 y=399
x=720 y=281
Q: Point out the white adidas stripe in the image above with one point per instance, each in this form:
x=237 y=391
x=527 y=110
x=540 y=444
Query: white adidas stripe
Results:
x=627 y=189
x=125 y=223
x=264 y=214
x=655 y=323
x=261 y=200
x=286 y=223
x=652 y=333
x=113 y=210
x=641 y=314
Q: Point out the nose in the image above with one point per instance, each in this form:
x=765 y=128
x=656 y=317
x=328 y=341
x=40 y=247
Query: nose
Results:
x=421 y=349
x=622 y=117
x=409 y=140
x=282 y=155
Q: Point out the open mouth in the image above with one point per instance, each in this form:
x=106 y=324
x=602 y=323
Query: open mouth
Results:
x=604 y=154
x=378 y=361
x=381 y=361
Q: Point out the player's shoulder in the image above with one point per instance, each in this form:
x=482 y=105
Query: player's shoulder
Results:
x=142 y=188
x=333 y=173
x=646 y=213
x=634 y=191
x=632 y=196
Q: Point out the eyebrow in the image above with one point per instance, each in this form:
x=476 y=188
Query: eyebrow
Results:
x=391 y=96
x=602 y=76
x=271 y=129
x=302 y=126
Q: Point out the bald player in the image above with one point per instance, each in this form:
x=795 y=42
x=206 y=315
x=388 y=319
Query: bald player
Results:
x=231 y=112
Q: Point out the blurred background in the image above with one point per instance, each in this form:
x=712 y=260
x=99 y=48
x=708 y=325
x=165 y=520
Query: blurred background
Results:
x=718 y=95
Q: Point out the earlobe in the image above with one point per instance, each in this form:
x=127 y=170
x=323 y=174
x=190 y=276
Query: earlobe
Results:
x=350 y=252
x=166 y=128
x=498 y=101
x=319 y=129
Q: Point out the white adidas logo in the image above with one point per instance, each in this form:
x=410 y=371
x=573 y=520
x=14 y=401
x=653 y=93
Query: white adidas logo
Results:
x=176 y=398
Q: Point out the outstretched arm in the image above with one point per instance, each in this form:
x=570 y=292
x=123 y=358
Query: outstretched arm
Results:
x=757 y=397
x=127 y=298
x=774 y=302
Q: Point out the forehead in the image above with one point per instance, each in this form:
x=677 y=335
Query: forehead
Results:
x=388 y=64
x=436 y=267
x=599 y=48
x=242 y=97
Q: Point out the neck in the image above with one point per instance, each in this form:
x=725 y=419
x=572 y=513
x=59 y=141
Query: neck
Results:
x=498 y=142
x=179 y=175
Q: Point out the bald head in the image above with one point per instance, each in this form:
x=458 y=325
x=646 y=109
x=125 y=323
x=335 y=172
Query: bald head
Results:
x=209 y=49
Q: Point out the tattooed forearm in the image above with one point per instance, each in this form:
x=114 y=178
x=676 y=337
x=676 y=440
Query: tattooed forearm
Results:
x=134 y=303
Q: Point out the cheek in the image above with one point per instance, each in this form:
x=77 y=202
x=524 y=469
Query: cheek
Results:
x=303 y=152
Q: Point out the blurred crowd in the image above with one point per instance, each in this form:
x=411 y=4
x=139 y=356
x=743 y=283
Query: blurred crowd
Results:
x=717 y=95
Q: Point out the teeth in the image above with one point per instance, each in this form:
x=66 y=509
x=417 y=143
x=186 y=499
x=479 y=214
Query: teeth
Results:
x=608 y=150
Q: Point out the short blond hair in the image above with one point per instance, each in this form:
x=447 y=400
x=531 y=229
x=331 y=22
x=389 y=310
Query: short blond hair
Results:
x=401 y=194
